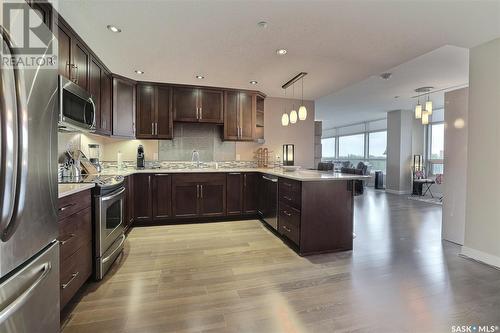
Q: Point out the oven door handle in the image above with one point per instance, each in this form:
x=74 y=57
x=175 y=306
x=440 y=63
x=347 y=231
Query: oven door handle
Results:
x=104 y=260
x=114 y=195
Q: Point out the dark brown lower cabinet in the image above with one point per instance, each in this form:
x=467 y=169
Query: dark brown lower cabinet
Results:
x=129 y=201
x=234 y=196
x=251 y=182
x=75 y=240
x=242 y=193
x=143 y=198
x=198 y=195
x=162 y=192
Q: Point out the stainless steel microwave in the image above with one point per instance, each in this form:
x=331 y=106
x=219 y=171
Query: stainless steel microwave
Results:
x=76 y=107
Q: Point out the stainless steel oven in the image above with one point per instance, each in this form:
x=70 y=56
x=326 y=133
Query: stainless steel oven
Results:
x=109 y=226
x=76 y=107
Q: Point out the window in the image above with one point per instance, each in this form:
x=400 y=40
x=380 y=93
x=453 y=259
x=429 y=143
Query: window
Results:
x=377 y=150
x=377 y=145
x=436 y=153
x=352 y=147
x=328 y=148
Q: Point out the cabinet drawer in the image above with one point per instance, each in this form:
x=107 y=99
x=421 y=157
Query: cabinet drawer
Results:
x=289 y=214
x=73 y=203
x=74 y=232
x=74 y=271
x=290 y=192
x=288 y=229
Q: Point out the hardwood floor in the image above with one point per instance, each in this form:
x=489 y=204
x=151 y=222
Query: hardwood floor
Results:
x=238 y=277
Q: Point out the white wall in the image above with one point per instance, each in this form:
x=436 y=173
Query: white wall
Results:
x=455 y=164
x=300 y=134
x=482 y=221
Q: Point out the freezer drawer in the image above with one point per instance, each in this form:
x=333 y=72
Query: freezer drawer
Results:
x=29 y=298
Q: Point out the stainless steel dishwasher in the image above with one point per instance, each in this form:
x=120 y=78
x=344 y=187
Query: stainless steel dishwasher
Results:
x=268 y=204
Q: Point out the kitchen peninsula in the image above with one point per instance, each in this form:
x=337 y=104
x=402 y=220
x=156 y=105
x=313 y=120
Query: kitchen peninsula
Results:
x=313 y=209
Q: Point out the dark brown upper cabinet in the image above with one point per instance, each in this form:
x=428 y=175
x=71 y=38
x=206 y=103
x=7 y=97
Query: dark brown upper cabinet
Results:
x=123 y=107
x=191 y=104
x=73 y=56
x=95 y=90
x=106 y=120
x=239 y=115
x=154 y=112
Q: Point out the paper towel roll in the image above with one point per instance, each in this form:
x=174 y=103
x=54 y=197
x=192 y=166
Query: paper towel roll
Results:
x=119 y=160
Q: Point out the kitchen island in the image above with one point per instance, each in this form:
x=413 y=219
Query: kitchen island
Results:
x=314 y=210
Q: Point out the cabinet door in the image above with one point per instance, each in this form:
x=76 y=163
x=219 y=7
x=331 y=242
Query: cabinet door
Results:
x=213 y=196
x=234 y=194
x=250 y=193
x=185 y=197
x=164 y=124
x=162 y=191
x=95 y=91
x=143 y=208
x=123 y=108
x=231 y=115
x=145 y=112
x=211 y=106
x=106 y=87
x=247 y=116
x=185 y=104
x=64 y=51
x=81 y=59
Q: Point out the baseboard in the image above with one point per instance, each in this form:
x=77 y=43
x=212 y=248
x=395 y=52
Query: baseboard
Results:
x=483 y=257
x=396 y=192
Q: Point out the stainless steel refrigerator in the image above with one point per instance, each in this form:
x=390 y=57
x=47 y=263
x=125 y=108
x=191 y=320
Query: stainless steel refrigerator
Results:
x=29 y=253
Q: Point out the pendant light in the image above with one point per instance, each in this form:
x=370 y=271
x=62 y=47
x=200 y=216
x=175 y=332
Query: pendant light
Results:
x=418 y=110
x=425 y=117
x=428 y=105
x=285 y=120
x=302 y=108
x=293 y=113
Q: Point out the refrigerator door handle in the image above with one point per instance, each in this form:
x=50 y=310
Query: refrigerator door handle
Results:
x=22 y=164
x=8 y=140
x=19 y=301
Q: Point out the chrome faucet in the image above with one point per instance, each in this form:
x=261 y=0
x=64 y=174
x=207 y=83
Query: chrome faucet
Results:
x=196 y=158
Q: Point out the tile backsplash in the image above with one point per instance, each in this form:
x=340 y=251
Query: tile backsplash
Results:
x=205 y=138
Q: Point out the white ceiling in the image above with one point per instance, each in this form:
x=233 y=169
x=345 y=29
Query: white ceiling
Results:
x=370 y=99
x=337 y=42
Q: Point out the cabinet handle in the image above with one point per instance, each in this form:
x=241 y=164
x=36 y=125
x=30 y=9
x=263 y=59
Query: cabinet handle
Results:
x=234 y=173
x=197 y=191
x=152 y=128
x=67 y=239
x=287 y=229
x=63 y=208
x=245 y=180
x=77 y=73
x=287 y=213
x=197 y=113
x=156 y=128
x=73 y=276
x=201 y=112
x=201 y=192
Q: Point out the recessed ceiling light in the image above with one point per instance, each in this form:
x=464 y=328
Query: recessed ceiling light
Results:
x=253 y=82
x=114 y=29
x=385 y=76
x=200 y=77
x=281 y=51
x=262 y=24
x=139 y=71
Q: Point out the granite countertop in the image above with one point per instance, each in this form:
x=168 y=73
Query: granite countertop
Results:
x=68 y=189
x=300 y=175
